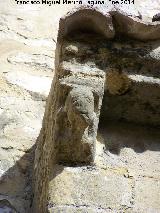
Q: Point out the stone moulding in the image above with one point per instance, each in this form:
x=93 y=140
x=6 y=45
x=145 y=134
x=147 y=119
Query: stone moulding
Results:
x=70 y=123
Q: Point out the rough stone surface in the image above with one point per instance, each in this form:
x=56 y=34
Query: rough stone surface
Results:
x=117 y=83
x=27 y=44
x=147 y=194
x=27 y=63
x=91 y=188
x=85 y=62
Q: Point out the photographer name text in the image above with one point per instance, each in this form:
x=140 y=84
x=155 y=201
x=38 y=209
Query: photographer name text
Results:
x=91 y=3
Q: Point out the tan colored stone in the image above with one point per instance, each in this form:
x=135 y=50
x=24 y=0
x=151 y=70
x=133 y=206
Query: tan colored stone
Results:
x=117 y=82
x=147 y=195
x=90 y=187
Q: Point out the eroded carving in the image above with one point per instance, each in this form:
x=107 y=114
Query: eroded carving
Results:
x=76 y=125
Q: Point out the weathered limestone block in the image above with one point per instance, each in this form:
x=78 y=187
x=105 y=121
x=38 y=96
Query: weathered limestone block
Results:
x=77 y=142
x=76 y=120
x=78 y=186
x=73 y=109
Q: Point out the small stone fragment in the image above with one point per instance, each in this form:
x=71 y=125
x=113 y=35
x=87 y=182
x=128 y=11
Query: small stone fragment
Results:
x=71 y=49
x=156 y=17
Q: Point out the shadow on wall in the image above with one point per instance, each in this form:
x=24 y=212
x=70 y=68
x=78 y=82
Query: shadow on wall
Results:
x=16 y=187
x=15 y=196
x=117 y=135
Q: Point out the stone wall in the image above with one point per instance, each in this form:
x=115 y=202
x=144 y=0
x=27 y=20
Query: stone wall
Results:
x=82 y=66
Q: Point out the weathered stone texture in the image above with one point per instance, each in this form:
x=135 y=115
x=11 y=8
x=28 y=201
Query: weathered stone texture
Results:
x=147 y=194
x=95 y=187
x=28 y=35
x=90 y=67
x=117 y=83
